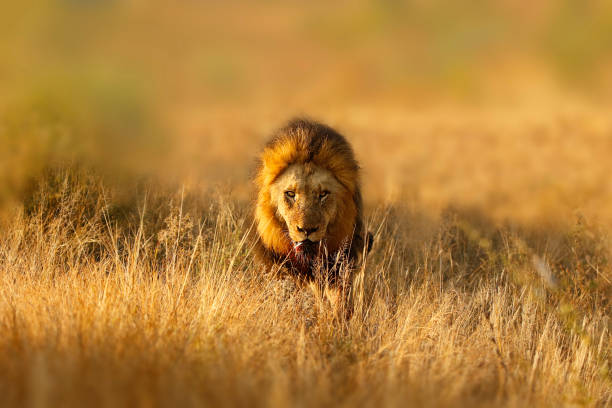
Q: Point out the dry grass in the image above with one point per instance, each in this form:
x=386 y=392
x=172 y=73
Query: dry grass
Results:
x=105 y=307
x=484 y=132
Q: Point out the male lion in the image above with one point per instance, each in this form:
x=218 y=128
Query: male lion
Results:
x=309 y=212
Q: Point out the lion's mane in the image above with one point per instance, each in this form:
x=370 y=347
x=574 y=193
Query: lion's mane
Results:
x=304 y=141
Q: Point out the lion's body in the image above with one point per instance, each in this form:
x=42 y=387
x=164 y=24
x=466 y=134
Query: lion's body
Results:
x=308 y=212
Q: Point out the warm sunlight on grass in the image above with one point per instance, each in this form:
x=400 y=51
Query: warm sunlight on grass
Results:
x=165 y=308
x=128 y=136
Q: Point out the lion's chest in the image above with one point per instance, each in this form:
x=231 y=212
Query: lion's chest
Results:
x=317 y=266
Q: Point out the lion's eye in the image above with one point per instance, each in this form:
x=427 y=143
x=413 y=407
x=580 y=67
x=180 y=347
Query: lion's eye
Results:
x=323 y=194
x=290 y=194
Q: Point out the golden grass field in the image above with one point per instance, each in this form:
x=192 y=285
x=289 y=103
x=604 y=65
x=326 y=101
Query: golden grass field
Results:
x=128 y=136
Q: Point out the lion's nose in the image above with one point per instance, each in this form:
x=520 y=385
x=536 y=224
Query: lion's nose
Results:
x=307 y=231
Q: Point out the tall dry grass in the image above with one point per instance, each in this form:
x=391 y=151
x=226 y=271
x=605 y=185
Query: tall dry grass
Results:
x=159 y=304
x=483 y=129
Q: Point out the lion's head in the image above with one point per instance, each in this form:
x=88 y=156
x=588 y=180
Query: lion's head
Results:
x=308 y=190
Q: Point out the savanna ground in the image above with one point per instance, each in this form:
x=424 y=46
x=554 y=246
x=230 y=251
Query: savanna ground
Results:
x=127 y=137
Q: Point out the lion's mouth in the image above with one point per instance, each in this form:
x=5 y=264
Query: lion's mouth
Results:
x=305 y=247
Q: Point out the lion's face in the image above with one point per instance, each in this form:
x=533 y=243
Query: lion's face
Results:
x=306 y=197
x=308 y=191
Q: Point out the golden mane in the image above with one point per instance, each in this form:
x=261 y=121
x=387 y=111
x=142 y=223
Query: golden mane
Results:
x=304 y=141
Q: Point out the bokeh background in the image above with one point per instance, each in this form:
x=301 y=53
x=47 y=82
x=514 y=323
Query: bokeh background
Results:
x=500 y=106
x=129 y=130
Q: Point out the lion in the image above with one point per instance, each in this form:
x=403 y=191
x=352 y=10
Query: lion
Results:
x=308 y=211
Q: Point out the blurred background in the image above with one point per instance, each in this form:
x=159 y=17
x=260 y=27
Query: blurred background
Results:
x=501 y=106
